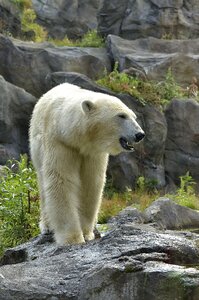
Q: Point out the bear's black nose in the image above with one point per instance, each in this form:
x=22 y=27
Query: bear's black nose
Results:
x=139 y=136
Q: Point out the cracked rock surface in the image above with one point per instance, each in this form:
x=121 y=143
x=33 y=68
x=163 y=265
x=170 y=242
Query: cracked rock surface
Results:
x=132 y=261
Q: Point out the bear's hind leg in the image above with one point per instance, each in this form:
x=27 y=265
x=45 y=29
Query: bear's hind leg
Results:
x=43 y=224
x=63 y=212
x=62 y=189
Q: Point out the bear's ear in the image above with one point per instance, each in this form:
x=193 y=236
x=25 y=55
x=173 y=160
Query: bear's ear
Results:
x=87 y=106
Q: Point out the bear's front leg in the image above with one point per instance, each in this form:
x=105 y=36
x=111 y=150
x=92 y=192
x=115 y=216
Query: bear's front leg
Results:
x=92 y=174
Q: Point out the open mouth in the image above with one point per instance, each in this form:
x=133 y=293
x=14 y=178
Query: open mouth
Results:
x=125 y=144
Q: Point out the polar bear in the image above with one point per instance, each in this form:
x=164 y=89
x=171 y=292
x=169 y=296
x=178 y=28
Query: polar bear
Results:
x=72 y=132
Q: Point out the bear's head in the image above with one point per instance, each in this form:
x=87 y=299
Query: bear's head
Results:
x=111 y=125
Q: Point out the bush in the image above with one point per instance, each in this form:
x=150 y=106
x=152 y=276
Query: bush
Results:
x=22 y=4
x=185 y=194
x=90 y=39
x=19 y=205
x=145 y=91
x=29 y=25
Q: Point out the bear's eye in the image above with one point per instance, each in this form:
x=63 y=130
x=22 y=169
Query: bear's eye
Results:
x=123 y=116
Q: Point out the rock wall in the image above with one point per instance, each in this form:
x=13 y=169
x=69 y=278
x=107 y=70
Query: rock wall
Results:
x=130 y=19
x=155 y=56
x=66 y=17
x=182 y=143
x=10 y=22
x=16 y=106
x=171 y=144
x=133 y=19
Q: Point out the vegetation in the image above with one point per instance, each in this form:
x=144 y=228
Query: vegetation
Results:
x=114 y=201
x=38 y=33
x=22 y=4
x=90 y=39
x=145 y=91
x=19 y=205
x=144 y=195
x=35 y=32
x=185 y=194
x=19 y=201
x=31 y=30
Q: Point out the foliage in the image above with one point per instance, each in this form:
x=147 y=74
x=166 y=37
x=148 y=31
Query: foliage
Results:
x=169 y=89
x=114 y=201
x=144 y=90
x=111 y=207
x=22 y=4
x=185 y=194
x=90 y=39
x=18 y=204
x=144 y=194
x=167 y=36
x=35 y=32
x=146 y=185
x=28 y=25
x=19 y=201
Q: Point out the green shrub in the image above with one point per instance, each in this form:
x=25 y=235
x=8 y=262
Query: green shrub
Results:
x=19 y=205
x=185 y=194
x=146 y=91
x=22 y=4
x=28 y=25
x=90 y=39
x=169 y=89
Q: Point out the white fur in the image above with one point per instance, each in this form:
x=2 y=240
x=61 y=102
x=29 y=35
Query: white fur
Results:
x=70 y=140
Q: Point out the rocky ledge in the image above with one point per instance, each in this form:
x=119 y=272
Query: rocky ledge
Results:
x=133 y=260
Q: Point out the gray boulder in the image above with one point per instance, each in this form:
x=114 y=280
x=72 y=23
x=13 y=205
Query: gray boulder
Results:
x=182 y=144
x=129 y=262
x=154 y=56
x=27 y=64
x=16 y=106
x=132 y=19
x=67 y=18
x=169 y=215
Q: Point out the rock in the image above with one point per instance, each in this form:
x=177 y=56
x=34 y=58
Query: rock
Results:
x=129 y=262
x=67 y=18
x=181 y=150
x=26 y=64
x=169 y=215
x=10 y=22
x=13 y=256
x=16 y=106
x=128 y=215
x=147 y=160
x=56 y=78
x=133 y=19
x=153 y=57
